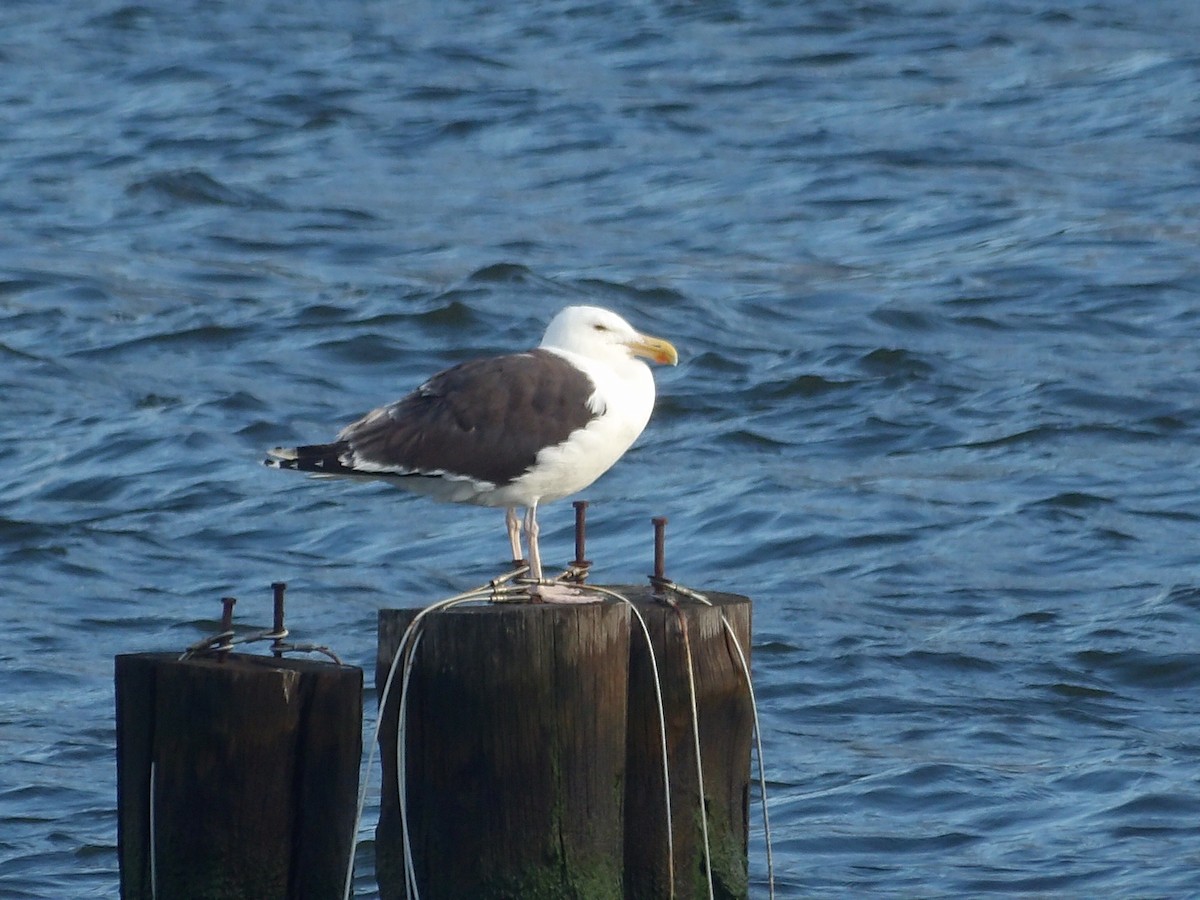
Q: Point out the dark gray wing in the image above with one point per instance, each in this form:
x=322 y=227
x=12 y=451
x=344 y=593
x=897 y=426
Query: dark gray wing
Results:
x=485 y=419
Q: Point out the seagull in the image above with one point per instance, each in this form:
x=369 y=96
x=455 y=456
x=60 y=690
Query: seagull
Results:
x=511 y=431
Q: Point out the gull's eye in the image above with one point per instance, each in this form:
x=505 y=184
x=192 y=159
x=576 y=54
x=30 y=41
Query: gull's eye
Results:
x=600 y=327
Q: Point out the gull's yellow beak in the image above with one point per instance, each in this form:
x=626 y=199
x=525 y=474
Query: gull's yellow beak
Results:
x=654 y=348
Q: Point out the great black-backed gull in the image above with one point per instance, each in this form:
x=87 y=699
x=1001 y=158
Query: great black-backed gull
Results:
x=512 y=431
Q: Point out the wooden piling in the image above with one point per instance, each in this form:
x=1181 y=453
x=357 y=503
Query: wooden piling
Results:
x=515 y=752
x=726 y=722
x=534 y=753
x=244 y=768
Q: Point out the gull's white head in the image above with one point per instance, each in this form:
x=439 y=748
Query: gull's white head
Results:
x=601 y=334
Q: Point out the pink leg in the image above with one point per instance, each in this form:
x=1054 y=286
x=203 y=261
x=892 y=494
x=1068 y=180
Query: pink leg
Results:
x=531 y=532
x=514 y=533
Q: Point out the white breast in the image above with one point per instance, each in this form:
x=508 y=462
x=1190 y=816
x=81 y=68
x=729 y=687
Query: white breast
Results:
x=625 y=393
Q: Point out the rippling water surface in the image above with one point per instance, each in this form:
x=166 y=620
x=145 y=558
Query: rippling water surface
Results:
x=932 y=269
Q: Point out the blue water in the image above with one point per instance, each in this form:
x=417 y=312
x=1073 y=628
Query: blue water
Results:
x=933 y=271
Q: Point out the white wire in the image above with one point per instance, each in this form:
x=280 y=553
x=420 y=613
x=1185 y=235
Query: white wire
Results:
x=412 y=891
x=762 y=776
x=662 y=727
x=362 y=791
x=490 y=592
x=687 y=646
x=481 y=593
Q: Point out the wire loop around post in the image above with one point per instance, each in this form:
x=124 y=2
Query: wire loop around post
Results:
x=497 y=590
x=501 y=590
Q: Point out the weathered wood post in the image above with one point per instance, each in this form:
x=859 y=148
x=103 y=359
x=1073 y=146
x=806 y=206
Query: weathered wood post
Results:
x=531 y=775
x=725 y=725
x=515 y=752
x=236 y=777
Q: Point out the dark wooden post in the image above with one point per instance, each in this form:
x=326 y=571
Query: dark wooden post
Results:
x=726 y=723
x=245 y=768
x=516 y=752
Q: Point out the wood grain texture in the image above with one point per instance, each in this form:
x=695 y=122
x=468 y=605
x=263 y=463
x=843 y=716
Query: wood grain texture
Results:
x=255 y=775
x=535 y=764
x=516 y=752
x=726 y=730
